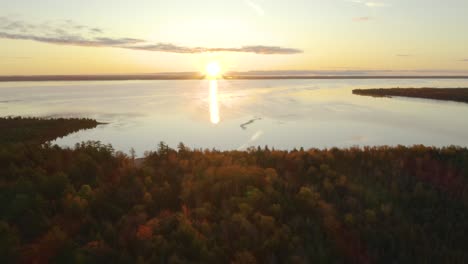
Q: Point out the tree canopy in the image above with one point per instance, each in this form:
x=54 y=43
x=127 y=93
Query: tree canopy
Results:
x=91 y=204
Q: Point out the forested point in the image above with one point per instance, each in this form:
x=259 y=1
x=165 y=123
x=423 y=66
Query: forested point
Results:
x=91 y=204
x=446 y=94
x=40 y=130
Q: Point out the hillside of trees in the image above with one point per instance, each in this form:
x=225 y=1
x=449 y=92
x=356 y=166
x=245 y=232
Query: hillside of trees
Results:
x=40 y=130
x=92 y=204
x=446 y=94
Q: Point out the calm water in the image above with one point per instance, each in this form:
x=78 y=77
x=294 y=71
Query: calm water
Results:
x=236 y=114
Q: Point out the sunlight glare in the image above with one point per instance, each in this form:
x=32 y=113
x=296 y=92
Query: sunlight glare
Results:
x=213 y=70
x=214 y=108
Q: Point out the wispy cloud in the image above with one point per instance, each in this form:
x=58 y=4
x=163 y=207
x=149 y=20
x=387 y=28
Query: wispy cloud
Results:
x=69 y=33
x=46 y=28
x=256 y=7
x=73 y=40
x=464 y=60
x=362 y=19
x=375 y=4
x=167 y=47
x=369 y=3
x=403 y=55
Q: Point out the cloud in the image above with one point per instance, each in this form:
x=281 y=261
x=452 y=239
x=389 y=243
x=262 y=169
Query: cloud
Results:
x=168 y=47
x=369 y=3
x=73 y=40
x=375 y=4
x=403 y=55
x=8 y=24
x=260 y=50
x=256 y=7
x=362 y=19
x=67 y=32
x=465 y=60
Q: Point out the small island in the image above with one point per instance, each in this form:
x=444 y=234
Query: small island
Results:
x=445 y=94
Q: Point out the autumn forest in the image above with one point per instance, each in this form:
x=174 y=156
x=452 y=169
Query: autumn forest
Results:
x=92 y=204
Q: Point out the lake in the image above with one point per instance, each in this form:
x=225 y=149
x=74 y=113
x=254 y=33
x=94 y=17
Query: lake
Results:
x=236 y=114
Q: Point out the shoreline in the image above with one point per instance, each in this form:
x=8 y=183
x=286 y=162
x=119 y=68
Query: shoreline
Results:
x=441 y=94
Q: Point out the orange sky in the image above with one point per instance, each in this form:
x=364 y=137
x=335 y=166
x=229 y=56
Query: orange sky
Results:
x=117 y=37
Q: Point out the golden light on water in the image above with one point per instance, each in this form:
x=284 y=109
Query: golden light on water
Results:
x=213 y=70
x=214 y=108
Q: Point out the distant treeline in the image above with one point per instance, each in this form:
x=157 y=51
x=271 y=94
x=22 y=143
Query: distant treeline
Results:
x=40 y=130
x=198 y=76
x=91 y=204
x=447 y=94
x=125 y=77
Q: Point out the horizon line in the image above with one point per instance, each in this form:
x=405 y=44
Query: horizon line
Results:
x=198 y=76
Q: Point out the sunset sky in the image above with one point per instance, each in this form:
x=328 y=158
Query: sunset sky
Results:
x=148 y=36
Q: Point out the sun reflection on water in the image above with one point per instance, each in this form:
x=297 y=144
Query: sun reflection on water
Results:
x=214 y=107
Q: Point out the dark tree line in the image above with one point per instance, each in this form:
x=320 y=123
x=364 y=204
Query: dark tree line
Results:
x=91 y=204
x=40 y=130
x=447 y=94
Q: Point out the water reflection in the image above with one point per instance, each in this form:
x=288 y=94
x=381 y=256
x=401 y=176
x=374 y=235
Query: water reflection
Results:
x=295 y=113
x=214 y=108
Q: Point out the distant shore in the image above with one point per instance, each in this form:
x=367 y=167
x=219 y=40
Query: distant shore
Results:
x=445 y=94
x=39 y=78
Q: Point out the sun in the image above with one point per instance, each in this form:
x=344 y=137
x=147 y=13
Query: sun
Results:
x=213 y=70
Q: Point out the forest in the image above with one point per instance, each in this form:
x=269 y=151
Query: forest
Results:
x=446 y=94
x=40 y=130
x=92 y=204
